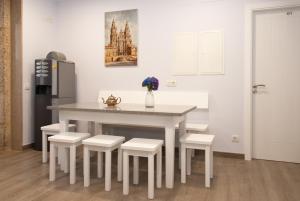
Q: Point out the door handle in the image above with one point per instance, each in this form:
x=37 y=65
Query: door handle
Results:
x=258 y=85
x=254 y=87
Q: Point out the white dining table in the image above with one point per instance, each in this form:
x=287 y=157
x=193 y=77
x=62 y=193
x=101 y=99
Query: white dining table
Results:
x=164 y=116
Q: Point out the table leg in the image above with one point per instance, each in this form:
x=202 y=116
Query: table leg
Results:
x=170 y=146
x=64 y=125
x=98 y=129
x=182 y=131
x=91 y=127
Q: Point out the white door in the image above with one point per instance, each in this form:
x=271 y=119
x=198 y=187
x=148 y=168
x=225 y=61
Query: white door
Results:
x=276 y=85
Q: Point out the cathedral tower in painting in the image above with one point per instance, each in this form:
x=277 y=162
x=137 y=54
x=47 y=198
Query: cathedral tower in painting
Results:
x=113 y=34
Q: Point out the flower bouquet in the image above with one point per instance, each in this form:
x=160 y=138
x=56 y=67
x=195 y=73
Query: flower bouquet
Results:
x=152 y=84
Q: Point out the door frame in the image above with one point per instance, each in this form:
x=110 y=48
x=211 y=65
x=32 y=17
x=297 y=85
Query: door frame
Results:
x=250 y=10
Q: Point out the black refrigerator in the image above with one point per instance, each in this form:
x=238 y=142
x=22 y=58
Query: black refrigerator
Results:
x=55 y=83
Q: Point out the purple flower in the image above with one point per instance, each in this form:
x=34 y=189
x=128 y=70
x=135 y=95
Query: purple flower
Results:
x=151 y=83
x=155 y=83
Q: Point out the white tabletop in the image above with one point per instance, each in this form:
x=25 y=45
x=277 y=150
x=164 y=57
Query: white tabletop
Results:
x=170 y=110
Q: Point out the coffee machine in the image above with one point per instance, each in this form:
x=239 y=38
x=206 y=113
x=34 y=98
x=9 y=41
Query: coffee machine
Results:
x=55 y=83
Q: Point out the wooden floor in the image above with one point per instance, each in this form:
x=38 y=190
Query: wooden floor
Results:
x=23 y=177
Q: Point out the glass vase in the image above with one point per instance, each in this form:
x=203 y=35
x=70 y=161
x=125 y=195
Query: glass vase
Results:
x=149 y=100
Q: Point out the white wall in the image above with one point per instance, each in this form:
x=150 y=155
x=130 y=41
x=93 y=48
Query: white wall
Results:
x=79 y=30
x=38 y=39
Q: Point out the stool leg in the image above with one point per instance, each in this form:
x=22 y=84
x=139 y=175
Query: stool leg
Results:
x=86 y=166
x=61 y=157
x=151 y=177
x=183 y=164
x=211 y=163
x=72 y=164
x=45 y=140
x=66 y=161
x=125 y=173
x=100 y=164
x=158 y=168
x=120 y=164
x=179 y=156
x=135 y=170
x=188 y=161
x=107 y=170
x=52 y=162
x=207 y=166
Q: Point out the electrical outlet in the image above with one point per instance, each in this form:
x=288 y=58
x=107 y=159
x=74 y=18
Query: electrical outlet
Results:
x=235 y=138
x=171 y=83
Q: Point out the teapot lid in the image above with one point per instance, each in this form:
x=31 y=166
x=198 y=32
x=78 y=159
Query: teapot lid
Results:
x=111 y=97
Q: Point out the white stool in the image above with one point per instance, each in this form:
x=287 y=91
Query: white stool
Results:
x=197 y=141
x=47 y=131
x=140 y=147
x=102 y=143
x=67 y=140
x=192 y=128
x=195 y=128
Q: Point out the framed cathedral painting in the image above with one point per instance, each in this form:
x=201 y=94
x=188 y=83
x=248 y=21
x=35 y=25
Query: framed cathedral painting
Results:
x=121 y=35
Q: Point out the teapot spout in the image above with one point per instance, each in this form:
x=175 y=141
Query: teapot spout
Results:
x=103 y=101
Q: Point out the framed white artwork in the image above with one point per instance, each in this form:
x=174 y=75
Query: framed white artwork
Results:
x=185 y=54
x=199 y=53
x=210 y=53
